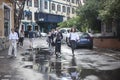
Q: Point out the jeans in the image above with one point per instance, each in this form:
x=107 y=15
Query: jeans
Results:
x=73 y=45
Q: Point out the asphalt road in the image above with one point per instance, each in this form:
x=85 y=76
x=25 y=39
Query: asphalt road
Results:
x=38 y=64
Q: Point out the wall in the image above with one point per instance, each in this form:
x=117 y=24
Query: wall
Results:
x=106 y=43
x=4 y=40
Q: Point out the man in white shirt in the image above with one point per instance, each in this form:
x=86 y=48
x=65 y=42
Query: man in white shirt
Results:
x=13 y=38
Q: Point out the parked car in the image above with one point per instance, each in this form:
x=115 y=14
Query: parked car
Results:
x=43 y=34
x=85 y=40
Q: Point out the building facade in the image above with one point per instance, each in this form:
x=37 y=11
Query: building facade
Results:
x=6 y=21
x=45 y=14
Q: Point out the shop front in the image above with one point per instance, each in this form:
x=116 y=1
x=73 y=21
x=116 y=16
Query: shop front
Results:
x=47 y=21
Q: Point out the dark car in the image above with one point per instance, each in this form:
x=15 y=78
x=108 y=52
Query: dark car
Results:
x=85 y=40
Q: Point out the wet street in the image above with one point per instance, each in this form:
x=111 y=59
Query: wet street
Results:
x=41 y=64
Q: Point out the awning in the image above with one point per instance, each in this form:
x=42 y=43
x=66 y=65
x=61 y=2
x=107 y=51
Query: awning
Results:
x=45 y=17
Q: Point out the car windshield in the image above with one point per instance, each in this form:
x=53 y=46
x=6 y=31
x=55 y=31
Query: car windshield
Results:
x=84 y=35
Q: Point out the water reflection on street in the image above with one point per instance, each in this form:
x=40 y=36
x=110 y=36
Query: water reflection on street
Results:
x=61 y=69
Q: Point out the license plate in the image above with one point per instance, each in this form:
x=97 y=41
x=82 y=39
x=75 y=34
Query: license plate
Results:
x=83 y=39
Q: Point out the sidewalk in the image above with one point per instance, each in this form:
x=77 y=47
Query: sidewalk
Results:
x=13 y=68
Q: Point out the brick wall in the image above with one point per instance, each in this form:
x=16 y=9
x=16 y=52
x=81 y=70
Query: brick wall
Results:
x=106 y=43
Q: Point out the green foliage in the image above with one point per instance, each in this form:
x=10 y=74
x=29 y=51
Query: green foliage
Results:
x=70 y=23
x=110 y=10
x=89 y=13
x=92 y=12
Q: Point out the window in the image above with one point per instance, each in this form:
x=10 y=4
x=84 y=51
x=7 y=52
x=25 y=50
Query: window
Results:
x=46 y=4
x=68 y=0
x=29 y=3
x=58 y=7
x=36 y=3
x=73 y=10
x=78 y=1
x=28 y=15
x=68 y=10
x=23 y=15
x=73 y=1
x=6 y=21
x=53 y=6
x=64 y=9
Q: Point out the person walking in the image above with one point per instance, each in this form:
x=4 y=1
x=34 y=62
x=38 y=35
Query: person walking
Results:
x=49 y=41
x=31 y=37
x=13 y=39
x=73 y=37
x=58 y=39
x=21 y=39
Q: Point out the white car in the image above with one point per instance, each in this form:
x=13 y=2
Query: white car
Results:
x=43 y=34
x=66 y=32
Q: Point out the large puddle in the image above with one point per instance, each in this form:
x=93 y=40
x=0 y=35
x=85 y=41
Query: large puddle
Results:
x=60 y=69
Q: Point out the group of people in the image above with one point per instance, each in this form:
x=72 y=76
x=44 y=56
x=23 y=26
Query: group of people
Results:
x=55 y=37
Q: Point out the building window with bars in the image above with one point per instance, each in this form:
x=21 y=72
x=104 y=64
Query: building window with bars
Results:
x=73 y=1
x=73 y=10
x=53 y=6
x=46 y=5
x=63 y=9
x=36 y=3
x=68 y=10
x=68 y=0
x=29 y=3
x=58 y=7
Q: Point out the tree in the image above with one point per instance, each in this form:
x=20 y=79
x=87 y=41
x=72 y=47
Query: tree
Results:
x=110 y=10
x=70 y=23
x=18 y=11
x=88 y=14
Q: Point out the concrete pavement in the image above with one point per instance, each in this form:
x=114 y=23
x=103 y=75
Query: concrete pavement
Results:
x=13 y=69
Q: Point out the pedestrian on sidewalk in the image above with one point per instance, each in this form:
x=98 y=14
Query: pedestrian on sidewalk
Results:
x=21 y=39
x=73 y=37
x=58 y=39
x=31 y=38
x=13 y=39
